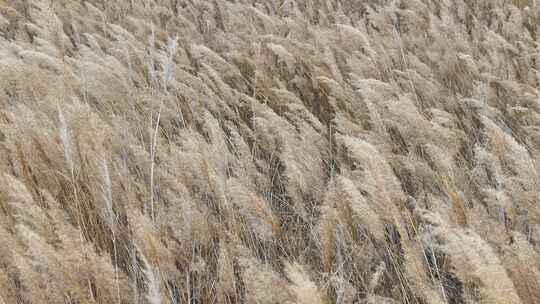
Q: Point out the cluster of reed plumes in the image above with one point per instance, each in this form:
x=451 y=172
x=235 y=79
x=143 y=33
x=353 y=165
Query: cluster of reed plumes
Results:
x=262 y=151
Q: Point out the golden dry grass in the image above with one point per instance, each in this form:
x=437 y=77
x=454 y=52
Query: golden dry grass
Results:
x=292 y=151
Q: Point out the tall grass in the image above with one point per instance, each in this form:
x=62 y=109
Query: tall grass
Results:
x=301 y=151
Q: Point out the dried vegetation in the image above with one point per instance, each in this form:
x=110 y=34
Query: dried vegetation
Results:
x=258 y=151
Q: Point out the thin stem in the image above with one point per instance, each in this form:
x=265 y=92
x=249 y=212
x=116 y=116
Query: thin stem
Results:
x=152 y=162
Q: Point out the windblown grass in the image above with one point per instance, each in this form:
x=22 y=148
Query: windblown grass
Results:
x=297 y=151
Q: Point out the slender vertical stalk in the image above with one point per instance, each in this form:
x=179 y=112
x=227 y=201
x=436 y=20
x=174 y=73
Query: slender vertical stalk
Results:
x=111 y=220
x=152 y=162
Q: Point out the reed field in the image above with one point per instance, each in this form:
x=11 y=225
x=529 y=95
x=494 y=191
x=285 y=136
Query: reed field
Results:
x=270 y=151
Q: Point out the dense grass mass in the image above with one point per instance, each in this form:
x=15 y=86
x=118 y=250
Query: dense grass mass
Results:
x=264 y=151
